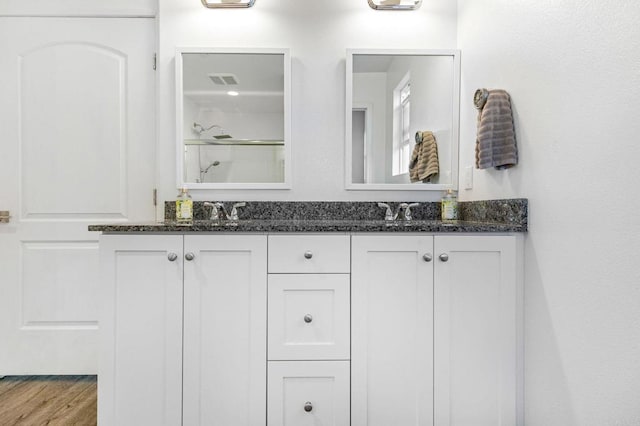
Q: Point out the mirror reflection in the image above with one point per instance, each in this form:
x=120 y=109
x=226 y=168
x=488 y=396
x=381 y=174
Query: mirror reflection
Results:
x=233 y=118
x=403 y=114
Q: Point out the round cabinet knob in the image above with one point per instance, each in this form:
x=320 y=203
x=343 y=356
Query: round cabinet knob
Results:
x=172 y=257
x=308 y=254
x=308 y=318
x=427 y=257
x=308 y=407
x=189 y=256
x=444 y=257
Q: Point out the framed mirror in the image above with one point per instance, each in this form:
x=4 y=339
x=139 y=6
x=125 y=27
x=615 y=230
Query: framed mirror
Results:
x=402 y=119
x=233 y=118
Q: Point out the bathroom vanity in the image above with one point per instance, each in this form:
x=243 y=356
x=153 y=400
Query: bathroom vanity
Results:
x=311 y=323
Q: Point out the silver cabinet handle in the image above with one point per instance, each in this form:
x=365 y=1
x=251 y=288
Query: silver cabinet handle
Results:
x=172 y=257
x=308 y=254
x=189 y=256
x=308 y=318
x=444 y=257
x=308 y=407
x=427 y=257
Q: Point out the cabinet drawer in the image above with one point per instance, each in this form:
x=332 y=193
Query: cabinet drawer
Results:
x=308 y=316
x=309 y=254
x=308 y=393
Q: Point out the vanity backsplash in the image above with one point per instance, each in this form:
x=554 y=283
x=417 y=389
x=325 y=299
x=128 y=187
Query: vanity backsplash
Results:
x=508 y=211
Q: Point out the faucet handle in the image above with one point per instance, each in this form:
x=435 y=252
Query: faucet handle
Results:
x=407 y=210
x=388 y=215
x=215 y=212
x=234 y=210
x=220 y=207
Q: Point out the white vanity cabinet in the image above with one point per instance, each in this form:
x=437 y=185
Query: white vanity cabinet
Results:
x=324 y=329
x=436 y=331
x=193 y=360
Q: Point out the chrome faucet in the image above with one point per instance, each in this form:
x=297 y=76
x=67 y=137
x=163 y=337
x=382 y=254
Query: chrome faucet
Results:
x=218 y=211
x=403 y=212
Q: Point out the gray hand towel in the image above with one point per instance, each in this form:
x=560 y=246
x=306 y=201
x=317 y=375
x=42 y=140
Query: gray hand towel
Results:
x=496 y=139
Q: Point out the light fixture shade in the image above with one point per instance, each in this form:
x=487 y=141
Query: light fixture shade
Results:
x=227 y=4
x=394 y=4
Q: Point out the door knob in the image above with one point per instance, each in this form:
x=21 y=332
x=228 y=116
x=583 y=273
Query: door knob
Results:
x=444 y=257
x=5 y=216
x=308 y=318
x=172 y=257
x=308 y=254
x=427 y=257
x=189 y=256
x=308 y=407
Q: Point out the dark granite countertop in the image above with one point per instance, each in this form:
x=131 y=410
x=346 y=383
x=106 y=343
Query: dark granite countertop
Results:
x=499 y=216
x=311 y=226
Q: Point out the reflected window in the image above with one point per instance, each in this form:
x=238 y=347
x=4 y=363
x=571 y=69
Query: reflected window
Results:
x=402 y=123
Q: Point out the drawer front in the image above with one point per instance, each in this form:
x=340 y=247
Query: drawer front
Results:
x=309 y=254
x=308 y=393
x=309 y=317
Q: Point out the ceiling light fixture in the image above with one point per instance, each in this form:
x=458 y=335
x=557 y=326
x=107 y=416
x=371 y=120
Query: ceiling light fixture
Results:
x=227 y=4
x=394 y=4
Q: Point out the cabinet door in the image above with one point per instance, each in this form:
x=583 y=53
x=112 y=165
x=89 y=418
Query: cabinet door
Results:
x=141 y=330
x=225 y=327
x=476 y=297
x=392 y=331
x=308 y=393
x=308 y=316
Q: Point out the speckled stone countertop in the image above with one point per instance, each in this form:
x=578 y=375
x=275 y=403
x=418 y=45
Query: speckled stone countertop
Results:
x=498 y=216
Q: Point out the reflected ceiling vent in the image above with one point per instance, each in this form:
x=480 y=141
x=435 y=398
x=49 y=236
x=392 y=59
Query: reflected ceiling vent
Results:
x=224 y=79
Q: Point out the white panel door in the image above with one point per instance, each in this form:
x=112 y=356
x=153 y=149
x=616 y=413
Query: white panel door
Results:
x=392 y=331
x=475 y=331
x=225 y=330
x=140 y=377
x=77 y=119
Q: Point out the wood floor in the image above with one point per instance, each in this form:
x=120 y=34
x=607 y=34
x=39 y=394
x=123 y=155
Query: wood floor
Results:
x=48 y=400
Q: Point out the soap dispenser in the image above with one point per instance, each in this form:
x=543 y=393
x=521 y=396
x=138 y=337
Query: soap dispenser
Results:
x=184 y=208
x=449 y=206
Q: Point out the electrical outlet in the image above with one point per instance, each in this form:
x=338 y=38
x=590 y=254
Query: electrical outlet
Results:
x=468 y=177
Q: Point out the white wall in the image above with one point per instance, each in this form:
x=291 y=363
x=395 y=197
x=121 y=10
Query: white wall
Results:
x=318 y=34
x=573 y=71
